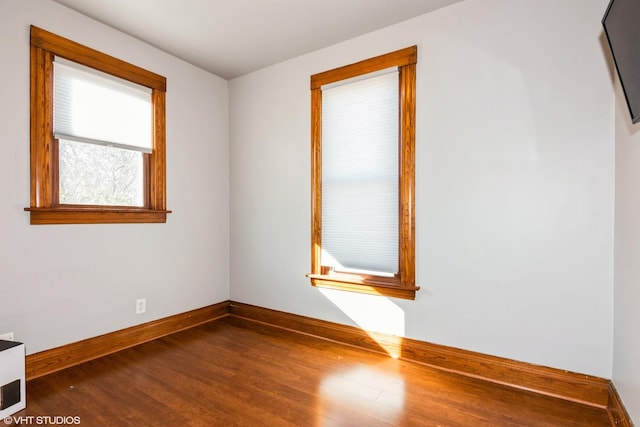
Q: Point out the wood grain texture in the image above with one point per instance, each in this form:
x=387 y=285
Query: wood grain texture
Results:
x=45 y=207
x=618 y=415
x=561 y=384
x=316 y=180
x=494 y=375
x=397 y=58
x=42 y=216
x=237 y=372
x=407 y=175
x=92 y=58
x=49 y=361
x=41 y=89
x=363 y=285
x=158 y=161
x=402 y=283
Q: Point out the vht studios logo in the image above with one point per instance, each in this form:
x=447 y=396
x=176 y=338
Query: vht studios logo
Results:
x=42 y=420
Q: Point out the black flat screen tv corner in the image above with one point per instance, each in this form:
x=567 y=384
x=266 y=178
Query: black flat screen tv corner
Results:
x=621 y=24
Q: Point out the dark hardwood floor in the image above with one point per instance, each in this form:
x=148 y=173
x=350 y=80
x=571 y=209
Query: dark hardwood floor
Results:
x=234 y=372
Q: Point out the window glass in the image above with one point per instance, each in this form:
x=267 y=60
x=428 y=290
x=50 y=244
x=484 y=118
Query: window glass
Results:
x=98 y=175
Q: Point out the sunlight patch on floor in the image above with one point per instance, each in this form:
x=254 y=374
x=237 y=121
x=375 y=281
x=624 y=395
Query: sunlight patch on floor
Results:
x=364 y=392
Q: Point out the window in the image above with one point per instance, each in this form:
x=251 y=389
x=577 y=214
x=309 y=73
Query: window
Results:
x=97 y=136
x=363 y=138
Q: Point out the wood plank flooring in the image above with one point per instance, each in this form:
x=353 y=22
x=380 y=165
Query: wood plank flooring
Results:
x=234 y=372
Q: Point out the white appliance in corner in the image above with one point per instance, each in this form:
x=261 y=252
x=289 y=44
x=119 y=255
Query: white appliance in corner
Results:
x=12 y=379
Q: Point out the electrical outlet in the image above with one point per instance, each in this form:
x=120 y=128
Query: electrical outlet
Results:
x=141 y=305
x=7 y=337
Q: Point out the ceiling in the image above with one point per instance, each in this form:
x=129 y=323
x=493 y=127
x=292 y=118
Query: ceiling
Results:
x=230 y=38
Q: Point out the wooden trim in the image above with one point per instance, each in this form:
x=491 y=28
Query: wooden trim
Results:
x=45 y=208
x=618 y=415
x=316 y=180
x=55 y=172
x=146 y=179
x=363 y=287
x=407 y=175
x=584 y=389
x=84 y=55
x=44 y=216
x=402 y=285
x=158 y=163
x=49 y=361
x=41 y=89
x=397 y=58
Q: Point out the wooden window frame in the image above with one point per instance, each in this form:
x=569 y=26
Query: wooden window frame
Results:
x=45 y=208
x=402 y=285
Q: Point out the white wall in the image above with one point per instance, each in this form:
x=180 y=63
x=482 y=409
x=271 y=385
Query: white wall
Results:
x=514 y=193
x=626 y=349
x=515 y=184
x=60 y=284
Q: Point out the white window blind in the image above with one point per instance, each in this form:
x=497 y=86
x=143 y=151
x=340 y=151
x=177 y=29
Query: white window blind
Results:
x=360 y=175
x=94 y=107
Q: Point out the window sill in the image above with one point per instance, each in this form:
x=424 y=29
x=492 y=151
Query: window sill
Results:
x=92 y=215
x=351 y=283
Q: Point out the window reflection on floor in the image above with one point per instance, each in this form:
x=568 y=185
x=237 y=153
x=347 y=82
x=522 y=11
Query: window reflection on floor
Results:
x=366 y=393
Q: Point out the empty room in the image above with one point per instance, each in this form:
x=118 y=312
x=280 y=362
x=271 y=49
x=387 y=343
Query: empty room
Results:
x=319 y=213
